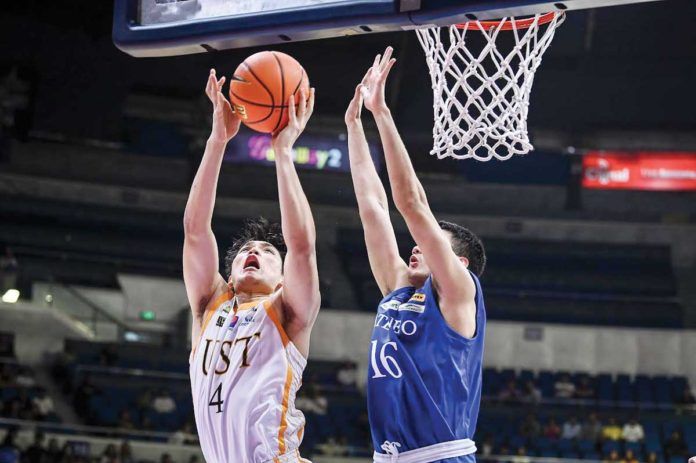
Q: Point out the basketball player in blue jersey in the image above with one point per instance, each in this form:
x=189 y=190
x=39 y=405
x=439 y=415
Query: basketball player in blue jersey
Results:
x=424 y=375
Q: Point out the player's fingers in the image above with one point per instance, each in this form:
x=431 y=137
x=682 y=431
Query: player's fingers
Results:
x=384 y=74
x=291 y=110
x=302 y=106
x=310 y=103
x=220 y=101
x=386 y=58
x=221 y=82
x=375 y=63
x=209 y=85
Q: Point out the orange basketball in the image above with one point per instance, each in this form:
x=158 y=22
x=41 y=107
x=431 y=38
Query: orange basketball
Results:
x=261 y=86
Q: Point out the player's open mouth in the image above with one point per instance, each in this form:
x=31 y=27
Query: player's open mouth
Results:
x=413 y=261
x=252 y=262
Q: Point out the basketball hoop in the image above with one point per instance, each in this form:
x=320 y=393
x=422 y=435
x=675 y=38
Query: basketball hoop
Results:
x=481 y=101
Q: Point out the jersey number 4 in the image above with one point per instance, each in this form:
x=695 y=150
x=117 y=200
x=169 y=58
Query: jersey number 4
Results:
x=388 y=362
x=216 y=400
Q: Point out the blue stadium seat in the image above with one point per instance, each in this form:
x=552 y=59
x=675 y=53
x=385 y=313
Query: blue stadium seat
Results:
x=636 y=447
x=586 y=445
x=548 y=453
x=565 y=445
x=591 y=456
x=611 y=445
x=543 y=443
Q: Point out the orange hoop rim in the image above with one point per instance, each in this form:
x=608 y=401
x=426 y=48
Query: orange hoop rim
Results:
x=509 y=24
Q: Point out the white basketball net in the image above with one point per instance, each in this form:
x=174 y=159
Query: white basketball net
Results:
x=481 y=100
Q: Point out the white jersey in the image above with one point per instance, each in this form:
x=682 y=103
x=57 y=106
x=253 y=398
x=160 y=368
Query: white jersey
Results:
x=245 y=373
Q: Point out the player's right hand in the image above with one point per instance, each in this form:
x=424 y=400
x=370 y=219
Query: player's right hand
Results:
x=372 y=87
x=225 y=121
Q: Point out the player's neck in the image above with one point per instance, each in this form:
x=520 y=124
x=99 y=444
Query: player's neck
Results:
x=247 y=297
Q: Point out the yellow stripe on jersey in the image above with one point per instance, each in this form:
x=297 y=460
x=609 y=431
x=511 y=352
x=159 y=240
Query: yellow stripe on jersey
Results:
x=274 y=317
x=283 y=414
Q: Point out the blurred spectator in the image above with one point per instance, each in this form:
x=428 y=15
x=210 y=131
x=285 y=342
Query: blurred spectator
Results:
x=84 y=392
x=613 y=456
x=144 y=401
x=521 y=456
x=166 y=458
x=25 y=377
x=9 y=451
x=530 y=428
x=347 y=375
x=124 y=419
x=163 y=402
x=108 y=356
x=633 y=431
x=584 y=390
x=687 y=397
x=8 y=271
x=126 y=453
x=311 y=400
x=109 y=455
x=531 y=394
x=552 y=430
x=43 y=404
x=36 y=453
x=592 y=428
x=335 y=447
x=53 y=452
x=145 y=423
x=564 y=388
x=675 y=446
x=571 y=429
x=487 y=446
x=612 y=431
x=6 y=374
x=25 y=405
x=630 y=457
x=652 y=458
x=182 y=436
x=510 y=392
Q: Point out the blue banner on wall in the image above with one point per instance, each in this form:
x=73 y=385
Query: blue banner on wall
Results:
x=310 y=152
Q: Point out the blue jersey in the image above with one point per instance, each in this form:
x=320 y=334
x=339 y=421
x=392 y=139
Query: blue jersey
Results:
x=424 y=379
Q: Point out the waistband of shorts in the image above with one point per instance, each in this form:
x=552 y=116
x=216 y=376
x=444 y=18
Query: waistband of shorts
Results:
x=435 y=452
x=291 y=456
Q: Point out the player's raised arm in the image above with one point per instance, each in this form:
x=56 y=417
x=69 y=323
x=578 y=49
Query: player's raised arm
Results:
x=200 y=259
x=454 y=284
x=300 y=293
x=382 y=250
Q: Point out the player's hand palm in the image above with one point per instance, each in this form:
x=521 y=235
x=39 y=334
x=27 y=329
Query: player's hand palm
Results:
x=372 y=87
x=225 y=121
x=286 y=137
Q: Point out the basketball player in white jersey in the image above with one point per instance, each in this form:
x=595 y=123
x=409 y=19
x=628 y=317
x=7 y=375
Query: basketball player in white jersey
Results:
x=250 y=333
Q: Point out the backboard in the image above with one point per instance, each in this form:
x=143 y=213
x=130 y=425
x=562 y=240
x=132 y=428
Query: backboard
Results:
x=148 y=28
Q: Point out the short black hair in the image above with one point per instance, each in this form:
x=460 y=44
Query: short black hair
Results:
x=259 y=229
x=466 y=244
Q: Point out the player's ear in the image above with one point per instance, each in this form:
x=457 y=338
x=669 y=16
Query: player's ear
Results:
x=464 y=261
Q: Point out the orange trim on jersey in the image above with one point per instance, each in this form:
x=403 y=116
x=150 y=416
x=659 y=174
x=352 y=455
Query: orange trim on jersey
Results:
x=274 y=317
x=283 y=414
x=221 y=299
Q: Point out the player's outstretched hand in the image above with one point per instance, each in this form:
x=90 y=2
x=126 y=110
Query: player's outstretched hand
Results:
x=286 y=137
x=354 y=110
x=692 y=460
x=372 y=88
x=225 y=121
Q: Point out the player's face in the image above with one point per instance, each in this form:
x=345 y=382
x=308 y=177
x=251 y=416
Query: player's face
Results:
x=418 y=269
x=257 y=268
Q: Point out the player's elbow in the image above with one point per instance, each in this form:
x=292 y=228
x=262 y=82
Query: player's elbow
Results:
x=409 y=203
x=194 y=226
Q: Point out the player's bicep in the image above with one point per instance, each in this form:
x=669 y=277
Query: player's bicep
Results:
x=387 y=267
x=200 y=264
x=300 y=294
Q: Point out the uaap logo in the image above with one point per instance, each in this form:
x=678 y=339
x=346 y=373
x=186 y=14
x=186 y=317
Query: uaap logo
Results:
x=248 y=318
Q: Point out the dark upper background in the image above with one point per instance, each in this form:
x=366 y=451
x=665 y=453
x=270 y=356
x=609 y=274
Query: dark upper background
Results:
x=619 y=68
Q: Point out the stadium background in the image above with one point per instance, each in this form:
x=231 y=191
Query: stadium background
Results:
x=97 y=152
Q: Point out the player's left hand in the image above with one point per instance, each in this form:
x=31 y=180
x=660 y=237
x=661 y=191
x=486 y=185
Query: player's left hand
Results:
x=286 y=137
x=372 y=88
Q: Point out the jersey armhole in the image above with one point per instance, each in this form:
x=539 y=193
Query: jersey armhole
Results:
x=226 y=296
x=451 y=331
